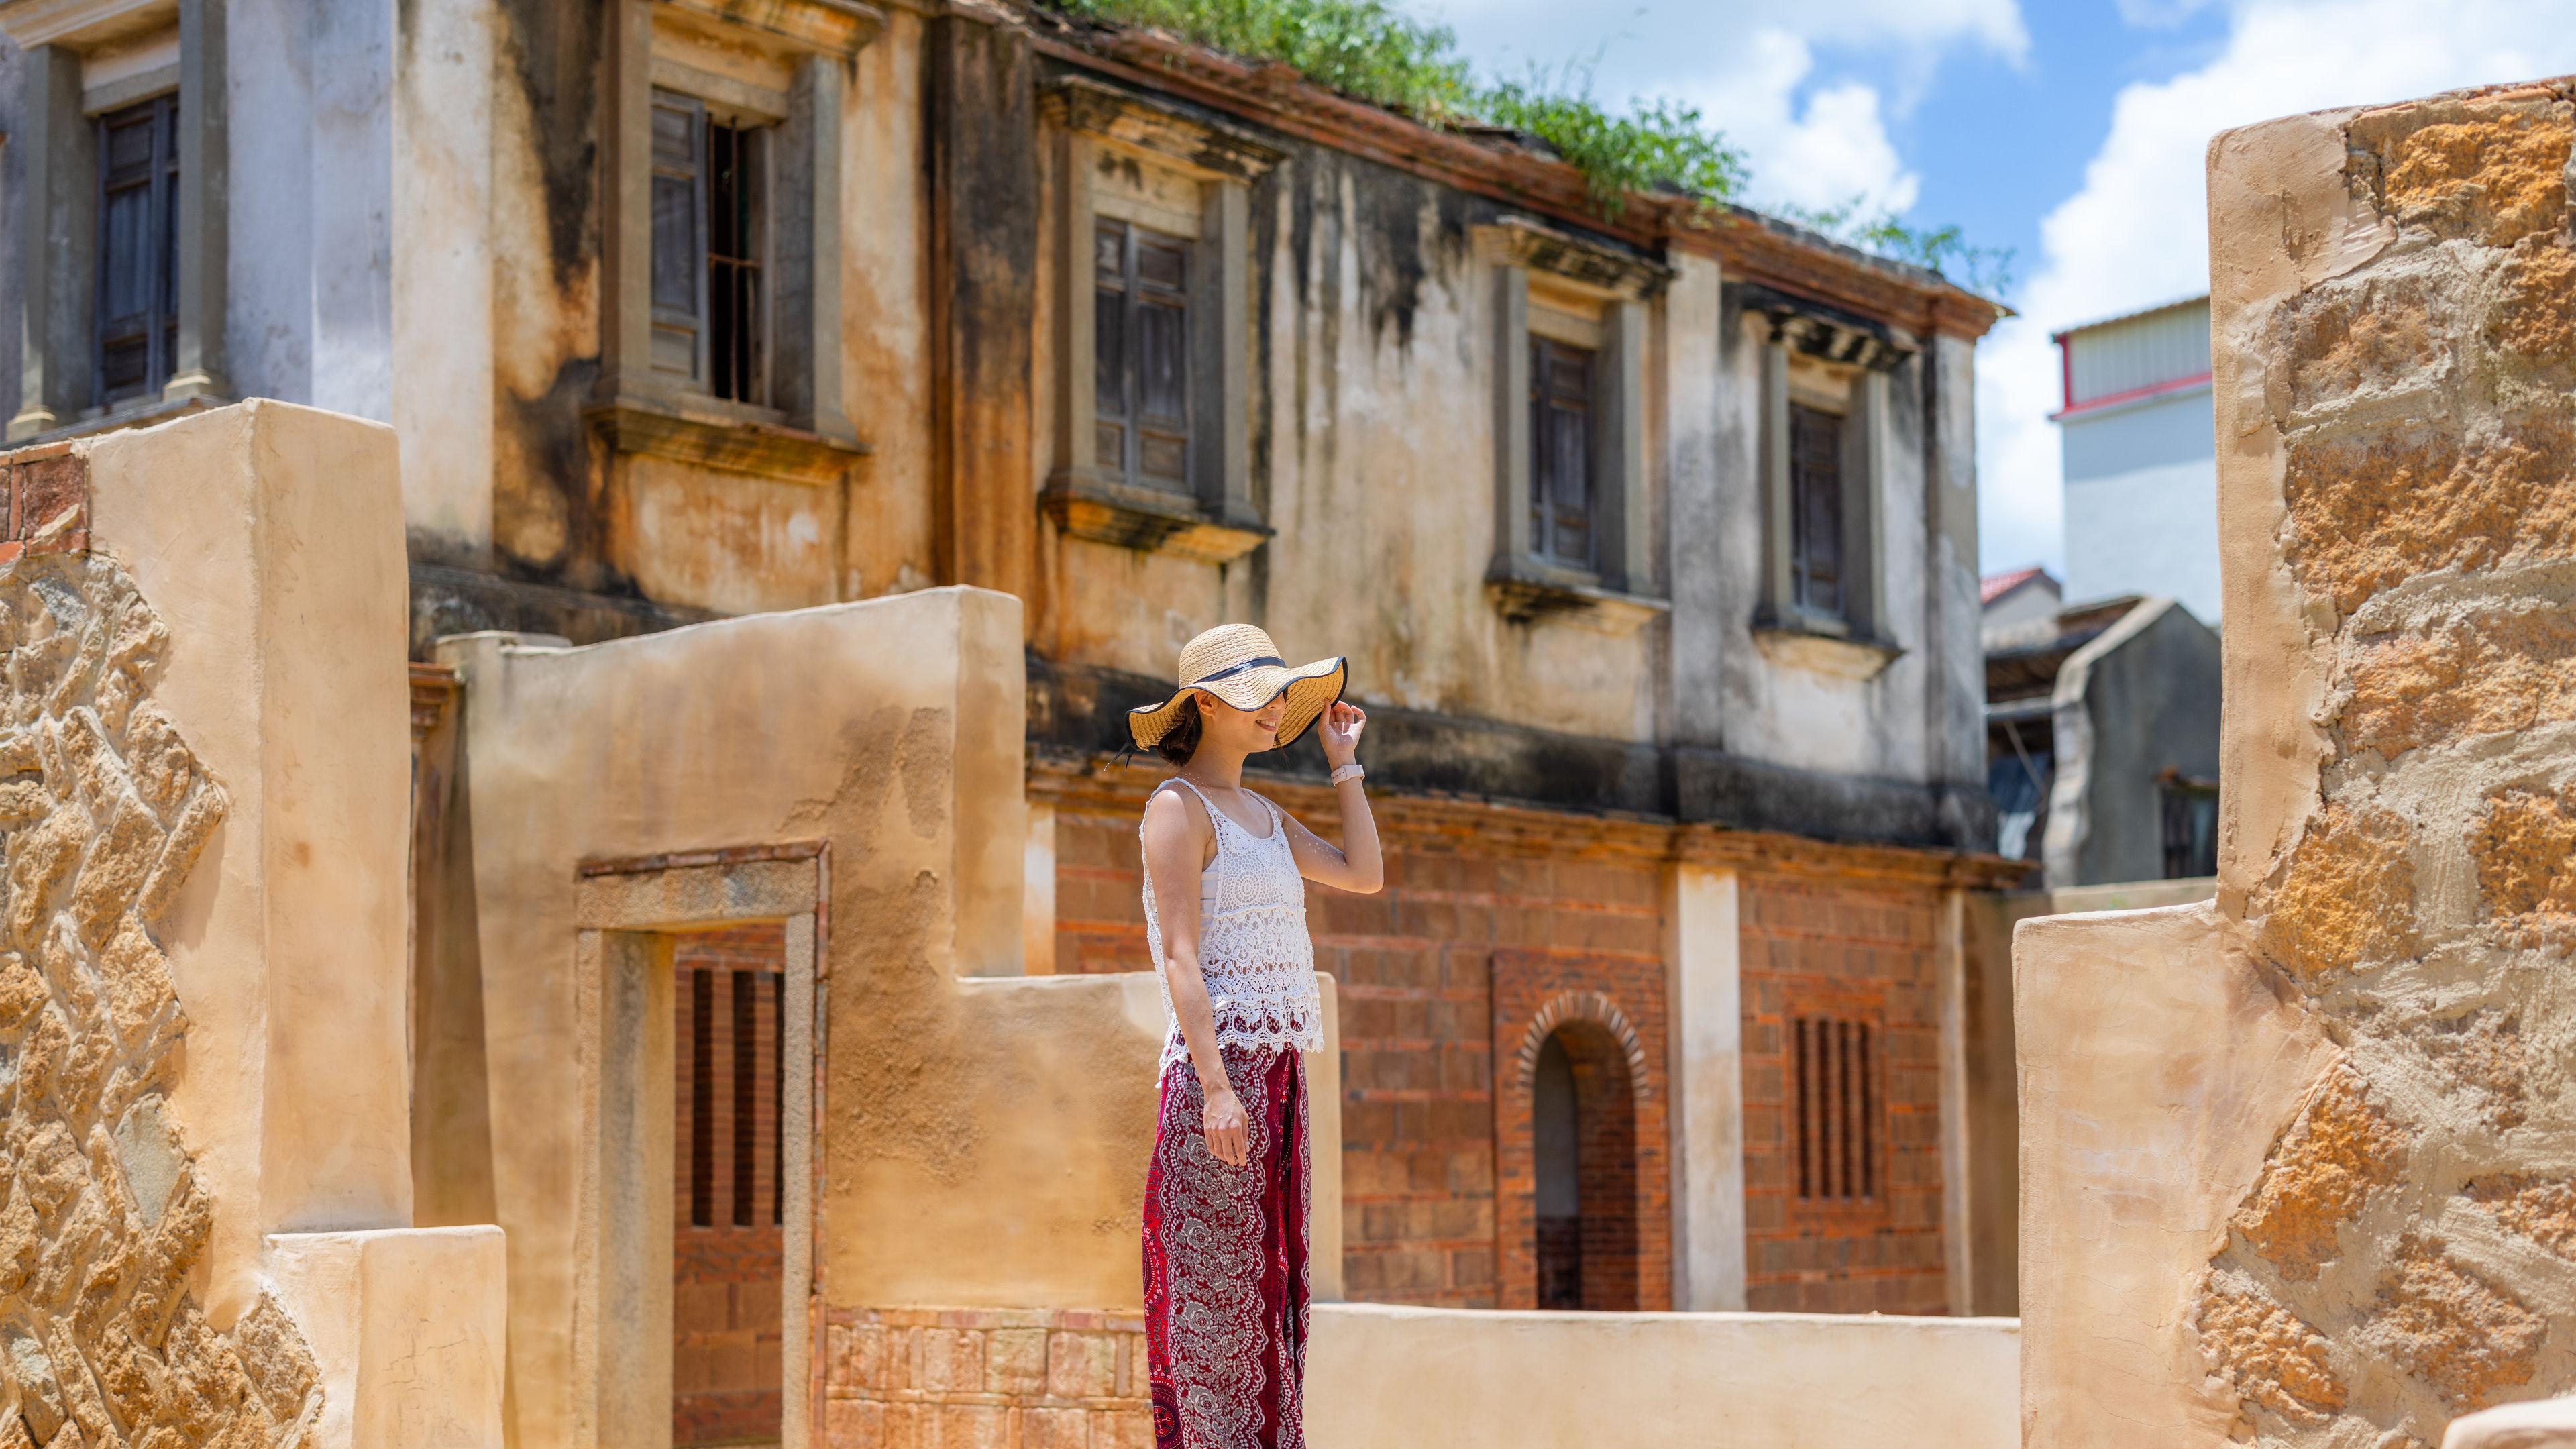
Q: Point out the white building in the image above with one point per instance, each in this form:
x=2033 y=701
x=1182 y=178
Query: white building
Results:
x=2141 y=457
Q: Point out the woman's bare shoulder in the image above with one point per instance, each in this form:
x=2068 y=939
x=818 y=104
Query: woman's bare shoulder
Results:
x=1171 y=807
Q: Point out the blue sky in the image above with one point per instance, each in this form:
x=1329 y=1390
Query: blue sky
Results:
x=2071 y=132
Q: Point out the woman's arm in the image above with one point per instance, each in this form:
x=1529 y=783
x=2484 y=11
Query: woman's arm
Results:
x=1176 y=846
x=1356 y=865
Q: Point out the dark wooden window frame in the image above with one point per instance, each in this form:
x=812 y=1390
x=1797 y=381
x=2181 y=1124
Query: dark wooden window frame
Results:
x=1564 y=496
x=711 y=191
x=1141 y=345
x=1819 y=561
x=135 y=352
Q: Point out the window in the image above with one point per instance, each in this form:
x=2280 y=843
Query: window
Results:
x=138 y=235
x=1571 y=319
x=1141 y=352
x=1561 y=452
x=730 y=1065
x=2190 y=820
x=1556 y=1152
x=1835 y=1064
x=709 y=241
x=1816 y=509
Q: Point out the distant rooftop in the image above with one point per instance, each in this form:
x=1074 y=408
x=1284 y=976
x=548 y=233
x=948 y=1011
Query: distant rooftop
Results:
x=1995 y=586
x=2198 y=299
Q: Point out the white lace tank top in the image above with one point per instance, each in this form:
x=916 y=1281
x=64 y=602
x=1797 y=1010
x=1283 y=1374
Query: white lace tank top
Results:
x=1253 y=949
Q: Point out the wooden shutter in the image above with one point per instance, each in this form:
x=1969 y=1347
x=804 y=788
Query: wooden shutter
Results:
x=138 y=233
x=1141 y=355
x=1561 y=452
x=679 y=235
x=1816 y=508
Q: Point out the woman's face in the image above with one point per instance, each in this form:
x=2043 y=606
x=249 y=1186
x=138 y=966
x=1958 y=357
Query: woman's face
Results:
x=1242 y=731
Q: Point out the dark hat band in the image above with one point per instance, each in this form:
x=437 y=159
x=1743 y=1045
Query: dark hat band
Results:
x=1266 y=661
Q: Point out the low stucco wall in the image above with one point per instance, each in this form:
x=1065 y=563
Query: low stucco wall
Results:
x=1386 y=1376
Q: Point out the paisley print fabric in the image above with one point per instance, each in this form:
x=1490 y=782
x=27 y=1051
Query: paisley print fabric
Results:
x=1225 y=1262
x=1253 y=949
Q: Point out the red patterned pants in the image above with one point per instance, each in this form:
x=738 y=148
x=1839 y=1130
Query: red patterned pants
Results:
x=1225 y=1262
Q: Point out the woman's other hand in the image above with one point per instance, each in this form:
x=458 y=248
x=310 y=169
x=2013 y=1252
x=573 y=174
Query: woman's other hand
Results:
x=1229 y=1135
x=1340 y=733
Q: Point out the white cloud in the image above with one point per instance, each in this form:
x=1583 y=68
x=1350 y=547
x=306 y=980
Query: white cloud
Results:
x=2136 y=232
x=1816 y=134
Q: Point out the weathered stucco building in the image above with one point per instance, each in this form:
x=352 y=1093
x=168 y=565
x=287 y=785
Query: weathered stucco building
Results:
x=1648 y=527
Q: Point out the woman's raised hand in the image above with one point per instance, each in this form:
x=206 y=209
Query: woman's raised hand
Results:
x=1341 y=733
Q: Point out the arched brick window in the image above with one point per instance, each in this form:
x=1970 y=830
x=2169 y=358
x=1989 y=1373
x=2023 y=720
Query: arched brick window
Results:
x=1583 y=1137
x=1583 y=1209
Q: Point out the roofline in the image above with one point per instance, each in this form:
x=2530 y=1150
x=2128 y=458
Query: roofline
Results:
x=2200 y=299
x=1746 y=245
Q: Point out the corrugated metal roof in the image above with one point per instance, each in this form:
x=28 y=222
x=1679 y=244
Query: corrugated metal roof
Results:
x=2196 y=299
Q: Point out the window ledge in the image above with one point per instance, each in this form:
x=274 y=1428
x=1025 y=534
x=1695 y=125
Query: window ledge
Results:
x=143 y=412
x=1843 y=655
x=1525 y=589
x=1147 y=520
x=712 y=437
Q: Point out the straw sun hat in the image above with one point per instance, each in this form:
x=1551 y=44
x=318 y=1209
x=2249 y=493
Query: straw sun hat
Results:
x=1238 y=664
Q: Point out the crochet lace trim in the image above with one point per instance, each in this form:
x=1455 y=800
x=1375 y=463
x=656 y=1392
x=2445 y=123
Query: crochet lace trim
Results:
x=1254 y=953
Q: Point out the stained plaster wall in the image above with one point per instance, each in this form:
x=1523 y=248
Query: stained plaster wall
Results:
x=2294 y=1163
x=208 y=1230
x=984 y=1139
x=1374 y=428
x=555 y=505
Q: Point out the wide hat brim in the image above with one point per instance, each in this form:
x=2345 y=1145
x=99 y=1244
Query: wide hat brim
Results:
x=1311 y=689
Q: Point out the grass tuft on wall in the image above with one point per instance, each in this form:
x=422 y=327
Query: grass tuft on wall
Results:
x=1371 y=50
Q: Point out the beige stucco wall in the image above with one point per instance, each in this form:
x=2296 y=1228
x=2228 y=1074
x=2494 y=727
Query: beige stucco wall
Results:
x=985 y=1136
x=1379 y=1377
x=2293 y=1162
x=204 y=981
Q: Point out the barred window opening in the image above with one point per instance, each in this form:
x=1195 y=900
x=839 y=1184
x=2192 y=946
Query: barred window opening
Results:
x=1835 y=1064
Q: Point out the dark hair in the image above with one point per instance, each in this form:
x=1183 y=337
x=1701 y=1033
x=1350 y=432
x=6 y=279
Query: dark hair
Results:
x=1182 y=740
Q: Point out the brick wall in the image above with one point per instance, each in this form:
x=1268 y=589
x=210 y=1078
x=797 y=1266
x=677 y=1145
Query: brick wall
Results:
x=1414 y=969
x=913 y=1378
x=1849 y=952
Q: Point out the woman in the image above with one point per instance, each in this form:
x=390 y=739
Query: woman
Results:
x=1225 y=916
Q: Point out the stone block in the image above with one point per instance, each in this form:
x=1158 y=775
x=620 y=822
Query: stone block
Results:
x=854 y=1424
x=1082 y=1365
x=1122 y=1429
x=952 y=1360
x=1055 y=1429
x=1016 y=1361
x=959 y=1426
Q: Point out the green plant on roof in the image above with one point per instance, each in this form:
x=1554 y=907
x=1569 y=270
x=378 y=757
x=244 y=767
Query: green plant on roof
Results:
x=1368 y=49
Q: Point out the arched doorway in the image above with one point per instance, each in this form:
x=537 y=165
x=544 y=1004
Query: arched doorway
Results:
x=1583 y=1141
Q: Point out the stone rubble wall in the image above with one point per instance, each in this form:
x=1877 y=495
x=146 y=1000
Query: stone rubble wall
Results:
x=104 y=1220
x=2299 y=1168
x=2408 y=1252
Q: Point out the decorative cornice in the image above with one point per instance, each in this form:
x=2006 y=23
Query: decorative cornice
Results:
x=1142 y=123
x=1825 y=331
x=1522 y=241
x=83 y=24
x=826 y=27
